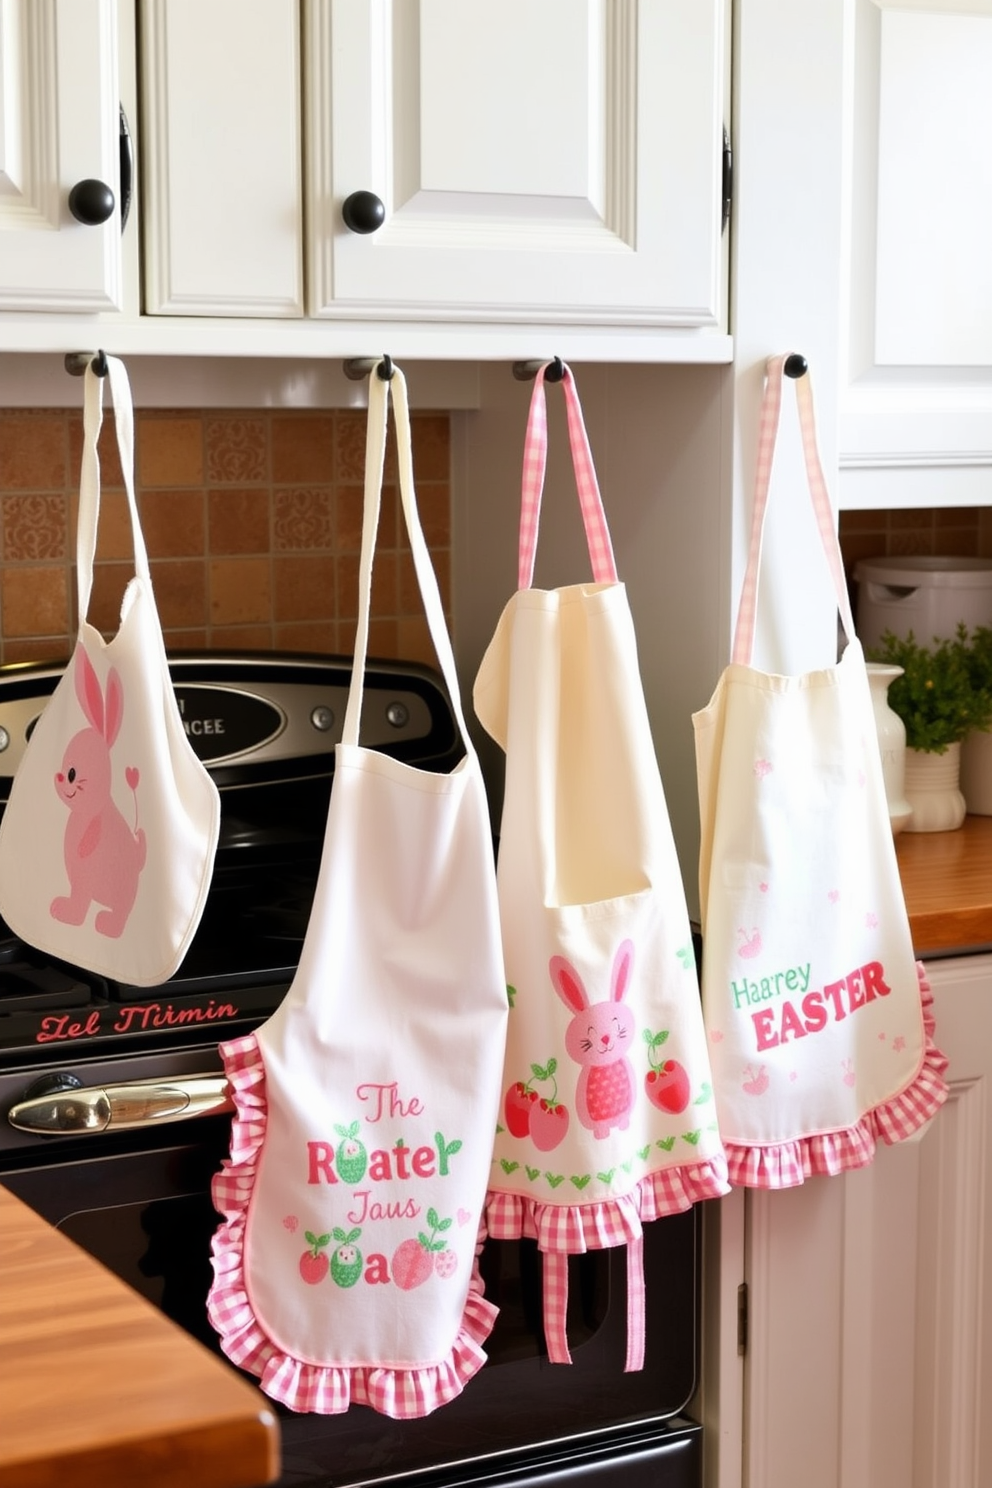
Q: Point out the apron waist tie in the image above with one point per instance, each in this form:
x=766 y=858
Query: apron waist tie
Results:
x=555 y=1304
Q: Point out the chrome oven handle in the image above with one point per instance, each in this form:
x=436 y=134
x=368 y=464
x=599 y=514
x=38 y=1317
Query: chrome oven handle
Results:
x=97 y=1108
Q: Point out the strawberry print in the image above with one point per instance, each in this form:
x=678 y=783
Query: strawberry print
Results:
x=415 y=1260
x=313 y=1262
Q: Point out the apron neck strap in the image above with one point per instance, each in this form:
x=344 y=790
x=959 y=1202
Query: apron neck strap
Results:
x=767 y=430
x=604 y=569
x=375 y=454
x=89 y=479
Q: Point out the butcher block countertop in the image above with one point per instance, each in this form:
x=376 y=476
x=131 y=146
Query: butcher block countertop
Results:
x=947 y=884
x=99 y=1390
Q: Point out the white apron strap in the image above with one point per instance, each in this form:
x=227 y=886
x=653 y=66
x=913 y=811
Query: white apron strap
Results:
x=604 y=569
x=375 y=454
x=89 y=479
x=768 y=428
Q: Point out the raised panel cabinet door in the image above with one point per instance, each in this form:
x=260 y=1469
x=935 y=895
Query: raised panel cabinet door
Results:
x=222 y=200
x=59 y=125
x=557 y=160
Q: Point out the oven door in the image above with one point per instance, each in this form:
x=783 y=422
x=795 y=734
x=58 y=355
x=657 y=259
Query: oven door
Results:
x=140 y=1203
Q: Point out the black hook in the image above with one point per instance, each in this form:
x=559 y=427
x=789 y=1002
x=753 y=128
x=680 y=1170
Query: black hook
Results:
x=384 y=370
x=76 y=363
x=554 y=370
x=795 y=365
x=356 y=368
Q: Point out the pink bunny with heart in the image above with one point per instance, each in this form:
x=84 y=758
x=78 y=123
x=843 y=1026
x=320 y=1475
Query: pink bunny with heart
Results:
x=598 y=1038
x=103 y=856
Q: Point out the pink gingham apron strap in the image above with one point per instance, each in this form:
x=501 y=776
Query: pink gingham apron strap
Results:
x=555 y=1277
x=635 y=1305
x=771 y=404
x=604 y=569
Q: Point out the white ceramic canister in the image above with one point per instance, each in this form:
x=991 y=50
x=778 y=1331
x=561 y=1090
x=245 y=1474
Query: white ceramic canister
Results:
x=933 y=790
x=891 y=742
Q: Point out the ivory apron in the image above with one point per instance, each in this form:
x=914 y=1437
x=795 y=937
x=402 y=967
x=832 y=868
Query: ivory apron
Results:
x=608 y=1118
x=819 y=1019
x=108 y=840
x=346 y=1269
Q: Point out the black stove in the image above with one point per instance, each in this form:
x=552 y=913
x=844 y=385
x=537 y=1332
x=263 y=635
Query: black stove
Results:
x=114 y=1113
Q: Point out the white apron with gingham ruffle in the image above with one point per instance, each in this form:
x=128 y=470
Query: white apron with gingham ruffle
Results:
x=608 y=1119
x=818 y=1017
x=346 y=1269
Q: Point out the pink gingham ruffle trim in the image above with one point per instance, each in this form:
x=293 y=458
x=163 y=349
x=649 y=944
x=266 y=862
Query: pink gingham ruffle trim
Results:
x=603 y=1223
x=826 y=1154
x=325 y=1390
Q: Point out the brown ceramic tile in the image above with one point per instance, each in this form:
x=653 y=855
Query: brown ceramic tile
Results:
x=170 y=450
x=33 y=451
x=240 y=591
x=431 y=439
x=107 y=451
x=173 y=523
x=985 y=534
x=434 y=506
x=186 y=640
x=109 y=583
x=349 y=446
x=956 y=516
x=862 y=545
x=237 y=450
x=303 y=448
x=180 y=593
x=908 y=541
x=33 y=527
x=238 y=519
x=384 y=639
x=921 y=520
x=304 y=589
x=350 y=503
x=242 y=637
x=114 y=538
x=861 y=521
x=35 y=602
x=956 y=542
x=51 y=648
x=414 y=640
x=303 y=518
x=310 y=636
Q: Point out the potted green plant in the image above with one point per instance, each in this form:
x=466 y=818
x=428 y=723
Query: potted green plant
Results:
x=940 y=699
x=976 y=748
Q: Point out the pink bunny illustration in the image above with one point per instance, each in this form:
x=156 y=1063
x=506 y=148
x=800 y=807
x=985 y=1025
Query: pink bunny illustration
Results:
x=597 y=1039
x=103 y=857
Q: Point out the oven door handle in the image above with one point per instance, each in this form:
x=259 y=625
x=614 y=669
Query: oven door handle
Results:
x=137 y=1103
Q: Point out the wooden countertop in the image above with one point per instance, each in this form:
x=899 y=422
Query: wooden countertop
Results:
x=99 y=1390
x=947 y=883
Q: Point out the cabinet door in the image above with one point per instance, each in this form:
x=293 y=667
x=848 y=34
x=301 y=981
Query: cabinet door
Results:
x=558 y=160
x=59 y=124
x=222 y=157
x=870 y=1345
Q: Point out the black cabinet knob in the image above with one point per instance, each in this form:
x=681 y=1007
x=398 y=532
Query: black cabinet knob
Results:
x=91 y=202
x=362 y=212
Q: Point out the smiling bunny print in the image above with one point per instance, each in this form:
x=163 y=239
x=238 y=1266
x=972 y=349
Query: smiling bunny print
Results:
x=103 y=856
x=598 y=1038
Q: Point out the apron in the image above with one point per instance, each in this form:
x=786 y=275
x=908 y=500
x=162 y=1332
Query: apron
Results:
x=346 y=1270
x=607 y=1118
x=107 y=843
x=818 y=1017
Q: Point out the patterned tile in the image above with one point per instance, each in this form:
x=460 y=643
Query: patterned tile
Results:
x=237 y=450
x=303 y=518
x=34 y=527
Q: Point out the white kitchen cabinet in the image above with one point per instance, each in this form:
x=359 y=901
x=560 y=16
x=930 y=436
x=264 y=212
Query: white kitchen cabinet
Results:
x=559 y=162
x=916 y=216
x=221 y=127
x=59 y=125
x=870 y=1316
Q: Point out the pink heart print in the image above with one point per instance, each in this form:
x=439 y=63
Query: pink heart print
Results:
x=132 y=777
x=464 y=1215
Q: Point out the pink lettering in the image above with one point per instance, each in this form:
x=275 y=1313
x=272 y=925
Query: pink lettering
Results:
x=814 y=1012
x=58 y=1026
x=875 y=985
x=423 y=1162
x=833 y=991
x=321 y=1155
x=855 y=991
x=137 y=1017
x=385 y=1100
x=767 y=1038
x=791 y=1023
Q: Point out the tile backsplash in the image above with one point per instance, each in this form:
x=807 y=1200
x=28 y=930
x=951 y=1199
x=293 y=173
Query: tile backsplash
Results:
x=252 y=522
x=950 y=532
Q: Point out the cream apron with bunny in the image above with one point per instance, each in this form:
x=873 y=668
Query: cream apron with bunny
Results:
x=608 y=1117
x=346 y=1270
x=107 y=842
x=818 y=1017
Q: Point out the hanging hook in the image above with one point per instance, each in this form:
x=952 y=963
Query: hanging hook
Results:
x=555 y=370
x=76 y=363
x=356 y=368
x=795 y=365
